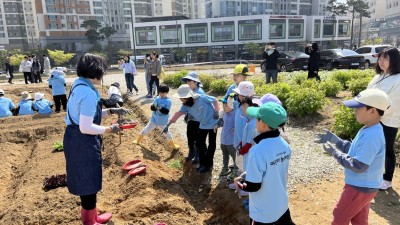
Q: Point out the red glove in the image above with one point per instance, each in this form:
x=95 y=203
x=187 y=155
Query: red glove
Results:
x=245 y=149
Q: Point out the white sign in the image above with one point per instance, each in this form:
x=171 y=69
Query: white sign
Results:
x=373 y=29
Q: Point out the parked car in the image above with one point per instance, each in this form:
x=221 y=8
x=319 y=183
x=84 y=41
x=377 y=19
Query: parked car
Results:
x=290 y=61
x=341 y=59
x=236 y=61
x=370 y=53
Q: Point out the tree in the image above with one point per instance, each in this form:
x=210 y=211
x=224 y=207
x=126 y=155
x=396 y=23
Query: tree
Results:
x=252 y=48
x=202 y=54
x=92 y=33
x=59 y=56
x=335 y=8
x=372 y=41
x=360 y=7
x=123 y=52
x=16 y=59
x=107 y=32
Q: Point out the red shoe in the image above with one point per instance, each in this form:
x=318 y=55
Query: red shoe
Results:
x=88 y=217
x=103 y=218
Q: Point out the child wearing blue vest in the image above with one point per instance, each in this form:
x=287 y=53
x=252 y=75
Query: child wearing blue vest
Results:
x=25 y=106
x=267 y=168
x=160 y=107
x=363 y=159
x=7 y=107
x=204 y=109
x=41 y=105
x=57 y=85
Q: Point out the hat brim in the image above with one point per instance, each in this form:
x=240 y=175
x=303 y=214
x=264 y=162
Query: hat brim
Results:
x=184 y=79
x=39 y=97
x=27 y=97
x=353 y=104
x=189 y=95
x=257 y=101
x=244 y=74
x=253 y=111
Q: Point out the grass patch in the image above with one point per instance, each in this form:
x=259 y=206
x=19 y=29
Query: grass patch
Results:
x=176 y=163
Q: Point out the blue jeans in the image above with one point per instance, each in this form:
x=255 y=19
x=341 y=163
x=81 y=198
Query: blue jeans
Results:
x=148 y=85
x=273 y=74
x=129 y=79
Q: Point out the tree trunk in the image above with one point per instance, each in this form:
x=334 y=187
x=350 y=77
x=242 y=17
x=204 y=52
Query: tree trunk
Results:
x=359 y=32
x=352 y=27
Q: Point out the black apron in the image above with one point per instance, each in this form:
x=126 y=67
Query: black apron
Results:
x=83 y=157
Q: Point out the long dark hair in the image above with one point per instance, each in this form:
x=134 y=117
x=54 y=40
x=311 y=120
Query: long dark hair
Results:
x=129 y=59
x=394 y=60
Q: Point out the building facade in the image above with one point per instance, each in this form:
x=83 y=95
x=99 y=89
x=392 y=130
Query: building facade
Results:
x=220 y=39
x=227 y=8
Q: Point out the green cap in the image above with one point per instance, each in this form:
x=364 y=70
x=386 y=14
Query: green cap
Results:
x=241 y=69
x=270 y=113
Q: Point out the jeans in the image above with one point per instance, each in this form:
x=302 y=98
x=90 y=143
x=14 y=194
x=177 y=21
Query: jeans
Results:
x=390 y=157
x=206 y=154
x=28 y=76
x=192 y=132
x=152 y=80
x=228 y=150
x=148 y=77
x=37 y=76
x=58 y=100
x=11 y=77
x=273 y=74
x=129 y=78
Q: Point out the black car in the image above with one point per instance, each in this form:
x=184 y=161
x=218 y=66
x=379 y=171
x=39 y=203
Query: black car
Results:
x=290 y=61
x=341 y=59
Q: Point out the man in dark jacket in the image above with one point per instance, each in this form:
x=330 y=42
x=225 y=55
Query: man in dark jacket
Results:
x=9 y=70
x=271 y=56
x=313 y=62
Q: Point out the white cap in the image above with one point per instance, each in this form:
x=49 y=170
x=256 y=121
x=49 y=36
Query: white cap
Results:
x=38 y=96
x=184 y=91
x=245 y=88
x=370 y=97
x=1 y=92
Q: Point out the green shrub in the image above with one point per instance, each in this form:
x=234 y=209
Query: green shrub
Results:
x=219 y=86
x=358 y=85
x=256 y=80
x=174 y=79
x=342 y=76
x=297 y=77
x=206 y=80
x=281 y=90
x=310 y=83
x=346 y=125
x=330 y=87
x=305 y=101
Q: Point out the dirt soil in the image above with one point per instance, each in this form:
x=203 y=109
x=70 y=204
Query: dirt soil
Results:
x=162 y=194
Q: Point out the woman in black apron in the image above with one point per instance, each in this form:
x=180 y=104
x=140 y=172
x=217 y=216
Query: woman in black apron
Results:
x=82 y=138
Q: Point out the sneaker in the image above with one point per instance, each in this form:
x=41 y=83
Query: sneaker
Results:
x=224 y=172
x=149 y=96
x=137 y=92
x=246 y=202
x=232 y=186
x=385 y=185
x=204 y=169
x=233 y=175
x=244 y=193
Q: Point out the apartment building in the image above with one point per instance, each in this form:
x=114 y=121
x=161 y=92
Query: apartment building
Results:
x=225 y=8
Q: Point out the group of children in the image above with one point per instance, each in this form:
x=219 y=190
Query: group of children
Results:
x=253 y=136
x=28 y=105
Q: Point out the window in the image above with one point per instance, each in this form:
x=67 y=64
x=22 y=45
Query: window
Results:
x=50 y=9
x=326 y=53
x=277 y=29
x=344 y=29
x=145 y=35
x=328 y=28
x=170 y=34
x=97 y=4
x=98 y=11
x=296 y=28
x=222 y=31
x=317 y=28
x=363 y=50
x=250 y=29
x=196 y=33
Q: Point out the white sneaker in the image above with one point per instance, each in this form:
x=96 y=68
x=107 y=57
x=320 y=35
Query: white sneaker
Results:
x=385 y=185
x=137 y=93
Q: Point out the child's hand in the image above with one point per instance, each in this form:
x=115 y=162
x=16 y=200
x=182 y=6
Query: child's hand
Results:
x=215 y=129
x=329 y=148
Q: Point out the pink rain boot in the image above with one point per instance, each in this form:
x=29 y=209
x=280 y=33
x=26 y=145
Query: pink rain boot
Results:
x=88 y=217
x=103 y=218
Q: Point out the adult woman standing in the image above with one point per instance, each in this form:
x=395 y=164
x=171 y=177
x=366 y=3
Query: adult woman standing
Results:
x=82 y=138
x=130 y=71
x=36 y=67
x=388 y=80
x=147 y=74
x=155 y=71
x=313 y=62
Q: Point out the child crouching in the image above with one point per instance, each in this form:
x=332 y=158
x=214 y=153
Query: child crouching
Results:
x=42 y=105
x=160 y=107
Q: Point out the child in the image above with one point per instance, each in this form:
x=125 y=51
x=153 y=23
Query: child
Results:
x=41 y=105
x=227 y=122
x=160 y=107
x=114 y=97
x=25 y=106
x=240 y=74
x=57 y=85
x=267 y=168
x=7 y=107
x=363 y=160
x=204 y=109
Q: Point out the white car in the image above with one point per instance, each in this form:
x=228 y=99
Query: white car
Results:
x=370 y=53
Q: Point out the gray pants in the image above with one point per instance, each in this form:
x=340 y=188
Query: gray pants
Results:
x=228 y=150
x=273 y=74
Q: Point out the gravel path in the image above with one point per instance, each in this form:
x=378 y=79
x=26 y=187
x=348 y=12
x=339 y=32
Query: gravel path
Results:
x=308 y=162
